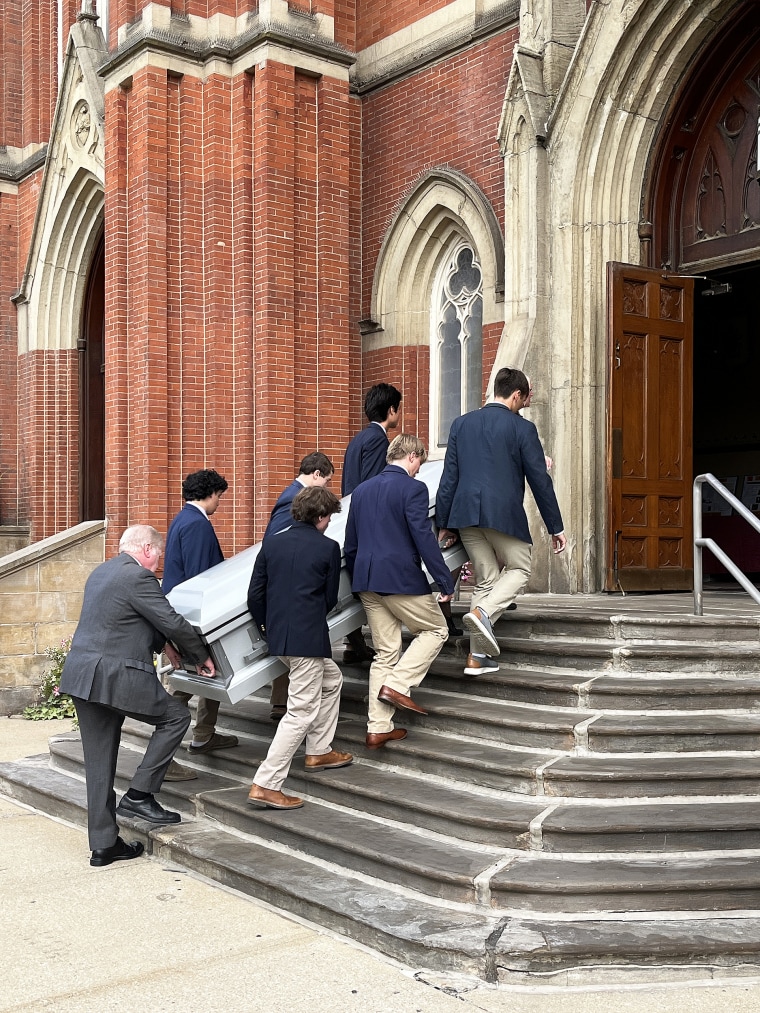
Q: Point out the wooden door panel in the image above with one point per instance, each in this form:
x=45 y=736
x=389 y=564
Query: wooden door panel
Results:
x=649 y=434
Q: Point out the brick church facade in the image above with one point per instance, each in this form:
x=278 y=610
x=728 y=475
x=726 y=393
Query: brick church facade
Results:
x=222 y=222
x=192 y=215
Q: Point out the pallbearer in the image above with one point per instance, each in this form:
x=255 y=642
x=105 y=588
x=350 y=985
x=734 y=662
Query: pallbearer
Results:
x=293 y=587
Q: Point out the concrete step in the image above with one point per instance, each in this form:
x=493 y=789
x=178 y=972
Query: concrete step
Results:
x=488 y=765
x=696 y=731
x=594 y=655
x=434 y=865
x=650 y=776
x=398 y=922
x=566 y=728
x=439 y=868
x=491 y=819
x=605 y=883
x=650 y=826
x=577 y=623
x=596 y=690
x=452 y=810
x=479 y=717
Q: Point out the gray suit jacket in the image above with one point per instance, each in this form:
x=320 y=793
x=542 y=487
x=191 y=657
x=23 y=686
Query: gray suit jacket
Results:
x=125 y=619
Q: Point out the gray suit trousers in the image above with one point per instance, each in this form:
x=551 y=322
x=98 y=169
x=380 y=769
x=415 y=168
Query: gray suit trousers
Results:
x=100 y=727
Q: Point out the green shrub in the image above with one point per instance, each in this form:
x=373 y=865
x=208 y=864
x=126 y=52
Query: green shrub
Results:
x=51 y=703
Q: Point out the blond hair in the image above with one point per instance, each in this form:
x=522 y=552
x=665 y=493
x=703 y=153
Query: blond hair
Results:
x=405 y=444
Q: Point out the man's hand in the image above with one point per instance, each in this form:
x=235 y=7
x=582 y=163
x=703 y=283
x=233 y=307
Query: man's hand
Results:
x=206 y=669
x=445 y=597
x=172 y=654
x=446 y=538
x=559 y=542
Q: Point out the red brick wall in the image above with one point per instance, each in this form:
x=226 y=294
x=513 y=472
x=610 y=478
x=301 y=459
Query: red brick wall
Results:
x=9 y=274
x=345 y=23
x=227 y=293
x=378 y=18
x=11 y=75
x=39 y=34
x=48 y=391
x=445 y=115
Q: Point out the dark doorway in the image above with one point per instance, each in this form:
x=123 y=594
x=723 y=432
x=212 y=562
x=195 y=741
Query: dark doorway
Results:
x=726 y=416
x=92 y=393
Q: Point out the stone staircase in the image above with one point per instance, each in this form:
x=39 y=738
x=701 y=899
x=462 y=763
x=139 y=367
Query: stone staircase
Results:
x=595 y=804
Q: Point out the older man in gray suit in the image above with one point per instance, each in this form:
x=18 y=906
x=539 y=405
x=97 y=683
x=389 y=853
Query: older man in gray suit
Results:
x=110 y=674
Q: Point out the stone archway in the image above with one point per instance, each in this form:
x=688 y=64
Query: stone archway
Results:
x=596 y=152
x=52 y=301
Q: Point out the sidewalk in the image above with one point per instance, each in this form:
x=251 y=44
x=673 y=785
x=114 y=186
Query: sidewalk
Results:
x=145 y=935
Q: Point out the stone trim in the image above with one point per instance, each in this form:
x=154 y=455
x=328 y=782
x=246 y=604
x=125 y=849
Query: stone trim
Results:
x=16 y=164
x=444 y=203
x=51 y=546
x=367 y=76
x=180 y=41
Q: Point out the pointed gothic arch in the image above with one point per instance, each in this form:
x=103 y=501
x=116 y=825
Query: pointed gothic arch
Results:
x=444 y=212
x=56 y=299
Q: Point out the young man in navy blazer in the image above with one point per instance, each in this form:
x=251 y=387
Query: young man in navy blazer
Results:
x=388 y=535
x=315 y=471
x=490 y=454
x=191 y=548
x=293 y=588
x=365 y=454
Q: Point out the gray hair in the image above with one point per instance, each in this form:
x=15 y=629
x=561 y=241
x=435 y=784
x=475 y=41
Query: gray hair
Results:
x=138 y=535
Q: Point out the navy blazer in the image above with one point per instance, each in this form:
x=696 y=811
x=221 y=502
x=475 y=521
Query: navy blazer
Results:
x=191 y=547
x=365 y=457
x=293 y=587
x=281 y=516
x=490 y=454
x=388 y=534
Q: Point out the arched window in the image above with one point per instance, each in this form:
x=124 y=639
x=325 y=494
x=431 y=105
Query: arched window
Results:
x=456 y=340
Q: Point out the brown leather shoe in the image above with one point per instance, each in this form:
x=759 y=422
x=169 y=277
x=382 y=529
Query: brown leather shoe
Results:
x=273 y=799
x=375 y=740
x=396 y=699
x=326 y=761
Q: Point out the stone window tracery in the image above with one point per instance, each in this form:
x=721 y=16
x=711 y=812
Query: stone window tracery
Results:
x=457 y=340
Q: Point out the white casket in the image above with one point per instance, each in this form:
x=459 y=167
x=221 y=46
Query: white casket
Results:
x=216 y=604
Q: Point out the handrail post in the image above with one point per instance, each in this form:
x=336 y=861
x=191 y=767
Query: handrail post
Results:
x=697 y=521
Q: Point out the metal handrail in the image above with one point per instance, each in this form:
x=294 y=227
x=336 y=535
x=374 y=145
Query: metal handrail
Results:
x=708 y=543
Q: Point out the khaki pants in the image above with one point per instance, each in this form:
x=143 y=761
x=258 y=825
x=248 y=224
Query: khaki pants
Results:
x=502 y=568
x=386 y=613
x=313 y=705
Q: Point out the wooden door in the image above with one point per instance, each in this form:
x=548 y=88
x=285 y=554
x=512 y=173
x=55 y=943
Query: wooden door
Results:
x=649 y=429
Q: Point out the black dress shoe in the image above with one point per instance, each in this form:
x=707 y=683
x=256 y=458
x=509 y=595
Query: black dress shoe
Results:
x=146 y=809
x=119 y=852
